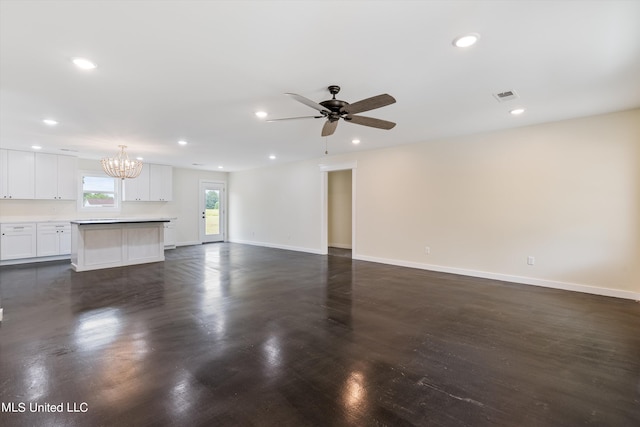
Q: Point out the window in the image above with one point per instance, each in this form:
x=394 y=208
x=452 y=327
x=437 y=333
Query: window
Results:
x=99 y=193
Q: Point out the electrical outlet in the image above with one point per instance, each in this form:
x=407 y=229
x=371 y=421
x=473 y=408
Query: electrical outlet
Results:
x=427 y=250
x=531 y=260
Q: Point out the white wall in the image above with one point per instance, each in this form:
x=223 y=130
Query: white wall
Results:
x=277 y=207
x=184 y=205
x=567 y=193
x=339 y=209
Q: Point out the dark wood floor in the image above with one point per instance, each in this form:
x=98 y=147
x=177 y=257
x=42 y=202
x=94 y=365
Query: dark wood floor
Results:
x=235 y=335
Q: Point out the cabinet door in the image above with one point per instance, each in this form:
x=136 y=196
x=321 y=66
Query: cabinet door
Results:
x=17 y=241
x=161 y=183
x=67 y=178
x=3 y=175
x=46 y=176
x=169 y=235
x=64 y=240
x=137 y=189
x=47 y=244
x=20 y=174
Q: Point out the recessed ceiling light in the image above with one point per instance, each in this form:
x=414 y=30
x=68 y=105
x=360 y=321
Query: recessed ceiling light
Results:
x=50 y=122
x=36 y=147
x=182 y=142
x=83 y=63
x=139 y=158
x=356 y=141
x=517 y=111
x=272 y=157
x=466 y=40
x=261 y=114
x=220 y=167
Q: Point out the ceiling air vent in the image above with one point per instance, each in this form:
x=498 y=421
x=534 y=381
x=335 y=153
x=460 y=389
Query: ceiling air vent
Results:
x=507 y=95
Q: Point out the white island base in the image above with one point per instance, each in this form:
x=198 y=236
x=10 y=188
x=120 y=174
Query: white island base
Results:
x=97 y=244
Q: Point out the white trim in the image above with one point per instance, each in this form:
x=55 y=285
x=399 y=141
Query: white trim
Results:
x=324 y=203
x=575 y=287
x=338 y=166
x=97 y=210
x=340 y=246
x=324 y=214
x=189 y=243
x=277 y=246
x=34 y=259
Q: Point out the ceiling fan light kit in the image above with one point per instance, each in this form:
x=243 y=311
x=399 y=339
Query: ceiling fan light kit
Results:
x=334 y=109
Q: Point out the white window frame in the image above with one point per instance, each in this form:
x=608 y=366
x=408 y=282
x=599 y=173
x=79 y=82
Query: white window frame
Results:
x=99 y=209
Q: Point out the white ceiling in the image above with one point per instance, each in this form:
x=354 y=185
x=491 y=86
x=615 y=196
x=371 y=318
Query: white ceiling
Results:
x=199 y=70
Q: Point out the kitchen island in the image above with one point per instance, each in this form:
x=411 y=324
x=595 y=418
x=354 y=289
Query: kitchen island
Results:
x=106 y=243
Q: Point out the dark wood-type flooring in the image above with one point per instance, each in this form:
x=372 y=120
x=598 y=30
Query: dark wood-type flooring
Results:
x=236 y=335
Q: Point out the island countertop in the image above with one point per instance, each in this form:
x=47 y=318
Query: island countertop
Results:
x=117 y=220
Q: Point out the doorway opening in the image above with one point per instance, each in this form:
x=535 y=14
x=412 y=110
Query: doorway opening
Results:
x=212 y=211
x=340 y=213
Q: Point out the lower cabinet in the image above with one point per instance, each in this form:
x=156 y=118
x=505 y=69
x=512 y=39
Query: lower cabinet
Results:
x=24 y=241
x=170 y=235
x=18 y=241
x=54 y=239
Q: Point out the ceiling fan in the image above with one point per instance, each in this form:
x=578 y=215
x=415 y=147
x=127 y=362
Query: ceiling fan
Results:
x=334 y=109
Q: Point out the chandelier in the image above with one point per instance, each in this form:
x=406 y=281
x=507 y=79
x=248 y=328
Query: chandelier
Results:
x=120 y=166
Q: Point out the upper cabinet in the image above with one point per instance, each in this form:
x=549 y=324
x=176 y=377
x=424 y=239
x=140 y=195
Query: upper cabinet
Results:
x=17 y=174
x=155 y=184
x=55 y=177
x=3 y=174
x=161 y=183
x=137 y=189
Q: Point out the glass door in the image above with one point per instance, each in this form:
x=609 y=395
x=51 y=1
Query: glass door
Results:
x=212 y=211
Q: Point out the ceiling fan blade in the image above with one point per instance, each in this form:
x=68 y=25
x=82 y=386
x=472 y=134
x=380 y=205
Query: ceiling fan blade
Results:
x=370 y=121
x=368 y=104
x=329 y=127
x=308 y=102
x=294 y=118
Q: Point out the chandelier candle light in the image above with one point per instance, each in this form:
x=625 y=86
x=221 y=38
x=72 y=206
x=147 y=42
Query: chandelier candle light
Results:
x=120 y=166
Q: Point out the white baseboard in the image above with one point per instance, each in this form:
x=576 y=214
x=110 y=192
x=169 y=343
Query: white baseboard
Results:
x=36 y=259
x=277 y=246
x=195 y=242
x=340 y=245
x=576 y=287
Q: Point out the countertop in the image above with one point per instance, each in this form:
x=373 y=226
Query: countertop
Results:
x=117 y=220
x=22 y=220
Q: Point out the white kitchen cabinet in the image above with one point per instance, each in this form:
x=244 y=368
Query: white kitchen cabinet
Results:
x=3 y=173
x=137 y=189
x=53 y=238
x=18 y=241
x=17 y=174
x=55 y=177
x=170 y=235
x=67 y=178
x=161 y=183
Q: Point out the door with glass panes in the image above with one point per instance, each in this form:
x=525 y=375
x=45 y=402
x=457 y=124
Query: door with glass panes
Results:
x=212 y=211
